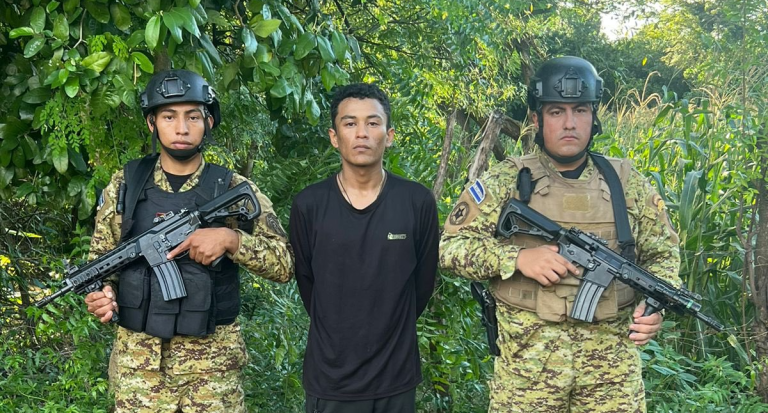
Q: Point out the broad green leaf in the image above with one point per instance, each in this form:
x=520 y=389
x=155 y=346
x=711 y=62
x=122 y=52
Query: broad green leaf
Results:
x=33 y=148
x=51 y=77
x=10 y=143
x=174 y=24
x=304 y=45
x=5 y=158
x=87 y=202
x=18 y=159
x=152 y=32
x=37 y=20
x=205 y=41
x=194 y=3
x=340 y=45
x=35 y=96
x=280 y=88
x=263 y=54
x=6 y=174
x=184 y=17
x=155 y=5
x=200 y=15
x=354 y=46
x=325 y=49
x=97 y=61
x=99 y=11
x=143 y=61
x=61 y=27
x=52 y=6
x=265 y=27
x=72 y=87
x=205 y=62
x=312 y=111
x=61 y=78
x=60 y=158
x=270 y=68
x=135 y=38
x=76 y=185
x=249 y=41
x=125 y=90
x=121 y=16
x=33 y=46
x=103 y=99
x=289 y=69
x=327 y=78
x=70 y=5
x=76 y=159
x=229 y=72
x=21 y=31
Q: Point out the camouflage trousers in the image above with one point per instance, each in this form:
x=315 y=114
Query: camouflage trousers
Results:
x=163 y=391
x=574 y=367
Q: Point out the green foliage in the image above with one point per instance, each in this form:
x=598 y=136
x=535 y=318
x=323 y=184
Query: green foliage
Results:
x=71 y=73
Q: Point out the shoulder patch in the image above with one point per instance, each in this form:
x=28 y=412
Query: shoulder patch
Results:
x=477 y=191
x=274 y=224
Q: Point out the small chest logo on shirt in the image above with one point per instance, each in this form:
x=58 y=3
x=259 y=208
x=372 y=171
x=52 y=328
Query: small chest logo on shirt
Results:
x=392 y=236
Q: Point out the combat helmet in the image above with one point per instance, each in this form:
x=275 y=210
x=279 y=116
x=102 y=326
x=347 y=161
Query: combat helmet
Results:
x=566 y=79
x=180 y=86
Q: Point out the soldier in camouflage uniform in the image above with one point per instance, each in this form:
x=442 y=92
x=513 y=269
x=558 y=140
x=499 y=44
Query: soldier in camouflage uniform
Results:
x=549 y=362
x=177 y=372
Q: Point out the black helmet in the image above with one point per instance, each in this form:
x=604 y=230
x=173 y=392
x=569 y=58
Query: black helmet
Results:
x=565 y=79
x=179 y=86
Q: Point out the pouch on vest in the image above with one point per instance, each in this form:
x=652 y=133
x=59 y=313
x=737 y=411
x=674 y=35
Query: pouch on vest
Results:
x=133 y=297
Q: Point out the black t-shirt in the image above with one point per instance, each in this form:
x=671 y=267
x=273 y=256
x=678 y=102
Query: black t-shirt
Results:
x=364 y=277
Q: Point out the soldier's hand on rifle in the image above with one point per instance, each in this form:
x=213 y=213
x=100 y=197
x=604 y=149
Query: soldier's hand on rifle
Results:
x=102 y=303
x=544 y=264
x=207 y=244
x=644 y=328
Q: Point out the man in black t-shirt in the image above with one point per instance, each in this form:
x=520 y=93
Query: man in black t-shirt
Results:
x=366 y=247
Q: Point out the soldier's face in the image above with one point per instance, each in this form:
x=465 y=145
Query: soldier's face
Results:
x=180 y=125
x=360 y=132
x=567 y=127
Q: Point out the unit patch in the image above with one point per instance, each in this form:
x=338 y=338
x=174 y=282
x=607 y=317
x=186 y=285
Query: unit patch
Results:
x=459 y=213
x=477 y=190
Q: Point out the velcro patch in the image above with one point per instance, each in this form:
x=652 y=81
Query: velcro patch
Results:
x=477 y=190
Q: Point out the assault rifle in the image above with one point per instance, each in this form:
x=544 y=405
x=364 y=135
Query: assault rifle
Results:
x=601 y=265
x=487 y=315
x=155 y=244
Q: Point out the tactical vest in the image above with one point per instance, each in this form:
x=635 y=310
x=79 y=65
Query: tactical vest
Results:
x=213 y=294
x=585 y=204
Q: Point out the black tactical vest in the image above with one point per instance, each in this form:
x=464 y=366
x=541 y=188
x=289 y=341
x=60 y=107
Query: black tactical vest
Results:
x=213 y=294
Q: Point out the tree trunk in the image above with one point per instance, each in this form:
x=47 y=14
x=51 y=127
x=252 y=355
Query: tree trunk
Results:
x=490 y=136
x=760 y=281
x=442 y=171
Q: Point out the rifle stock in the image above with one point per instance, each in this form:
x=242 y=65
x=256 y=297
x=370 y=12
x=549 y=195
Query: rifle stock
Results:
x=601 y=266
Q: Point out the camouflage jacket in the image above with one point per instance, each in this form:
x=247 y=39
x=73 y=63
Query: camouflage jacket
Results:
x=468 y=247
x=265 y=252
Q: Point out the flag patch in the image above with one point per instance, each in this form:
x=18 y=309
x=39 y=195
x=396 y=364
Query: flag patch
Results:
x=477 y=191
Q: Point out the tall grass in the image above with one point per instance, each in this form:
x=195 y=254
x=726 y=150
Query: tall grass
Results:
x=700 y=155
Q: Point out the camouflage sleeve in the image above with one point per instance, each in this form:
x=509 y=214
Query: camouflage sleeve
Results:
x=656 y=239
x=106 y=233
x=468 y=247
x=264 y=251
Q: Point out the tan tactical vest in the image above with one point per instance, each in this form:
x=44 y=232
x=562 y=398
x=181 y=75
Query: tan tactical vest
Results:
x=571 y=203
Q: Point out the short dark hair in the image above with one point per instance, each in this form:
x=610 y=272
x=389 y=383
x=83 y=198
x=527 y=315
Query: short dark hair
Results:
x=360 y=91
